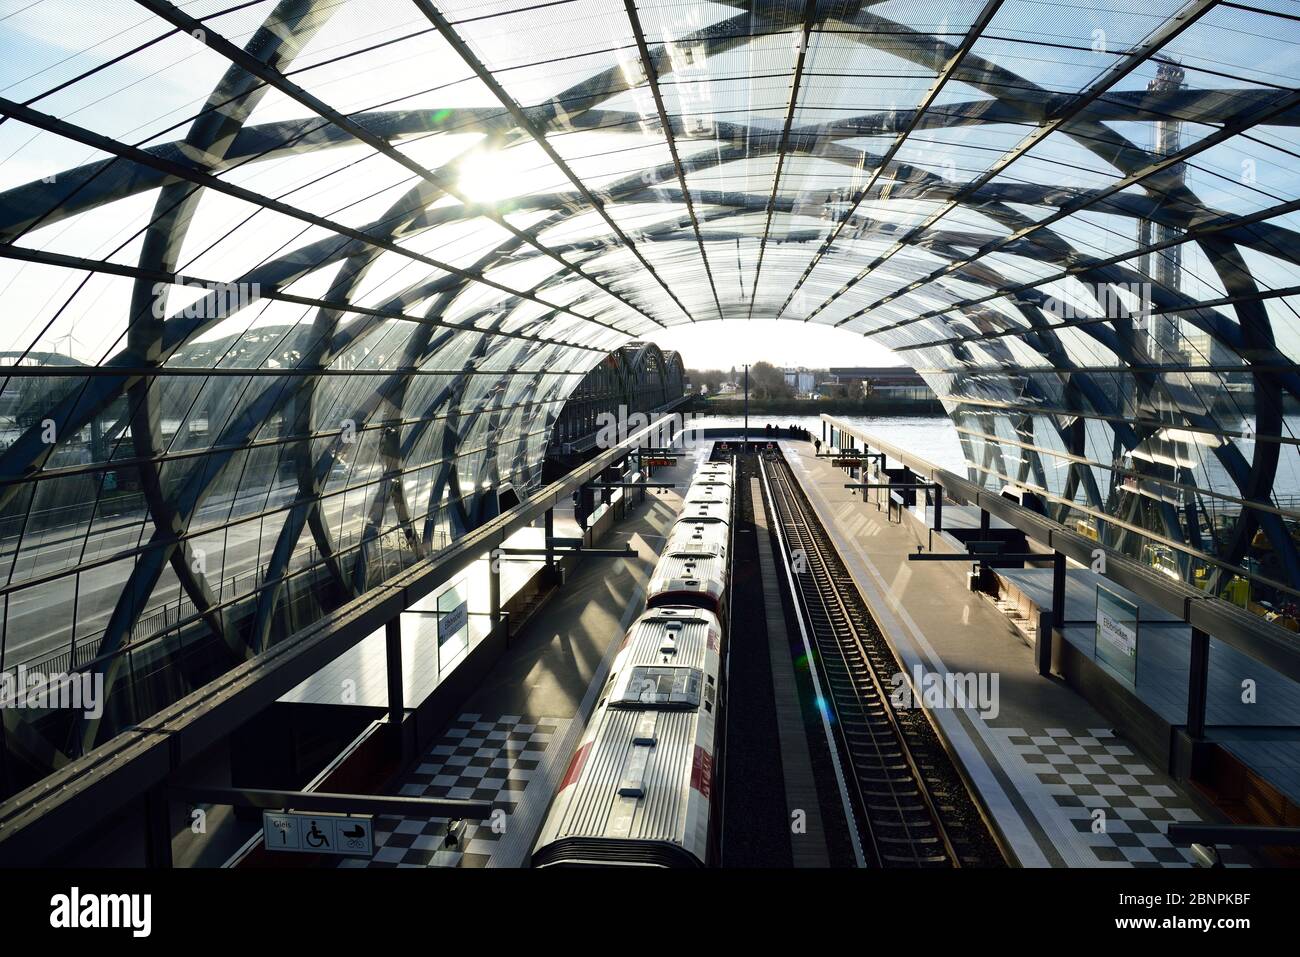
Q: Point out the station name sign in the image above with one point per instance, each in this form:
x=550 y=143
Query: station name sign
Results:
x=1117 y=633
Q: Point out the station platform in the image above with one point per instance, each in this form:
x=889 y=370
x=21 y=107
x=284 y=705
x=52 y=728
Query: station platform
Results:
x=1059 y=785
x=358 y=677
x=512 y=738
x=1261 y=729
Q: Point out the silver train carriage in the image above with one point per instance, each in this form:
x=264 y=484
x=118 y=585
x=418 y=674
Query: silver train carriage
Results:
x=693 y=534
x=695 y=511
x=691 y=575
x=639 y=789
x=708 y=492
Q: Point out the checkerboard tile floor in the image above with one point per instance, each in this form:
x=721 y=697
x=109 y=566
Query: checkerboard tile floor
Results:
x=1096 y=771
x=478 y=758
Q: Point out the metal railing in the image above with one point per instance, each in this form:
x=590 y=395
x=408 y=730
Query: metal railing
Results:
x=393 y=555
x=1269 y=644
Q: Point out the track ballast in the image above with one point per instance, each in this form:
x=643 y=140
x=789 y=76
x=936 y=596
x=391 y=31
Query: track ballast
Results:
x=913 y=807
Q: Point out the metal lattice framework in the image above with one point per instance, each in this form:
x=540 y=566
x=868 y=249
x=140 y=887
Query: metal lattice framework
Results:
x=636 y=378
x=291 y=287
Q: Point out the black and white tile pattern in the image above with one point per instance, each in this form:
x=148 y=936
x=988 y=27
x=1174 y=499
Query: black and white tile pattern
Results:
x=1095 y=771
x=478 y=758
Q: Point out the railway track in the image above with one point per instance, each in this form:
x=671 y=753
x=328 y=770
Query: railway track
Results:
x=912 y=807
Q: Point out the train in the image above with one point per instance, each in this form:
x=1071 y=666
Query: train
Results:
x=641 y=788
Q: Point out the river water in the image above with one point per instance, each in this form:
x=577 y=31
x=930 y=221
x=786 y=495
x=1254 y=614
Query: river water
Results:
x=933 y=438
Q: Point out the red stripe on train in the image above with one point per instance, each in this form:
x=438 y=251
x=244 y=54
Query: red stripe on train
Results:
x=575 y=765
x=702 y=771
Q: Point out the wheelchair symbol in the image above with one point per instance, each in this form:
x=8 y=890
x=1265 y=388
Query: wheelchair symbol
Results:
x=316 y=837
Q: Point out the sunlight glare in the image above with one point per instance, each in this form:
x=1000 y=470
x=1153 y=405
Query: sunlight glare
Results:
x=486 y=176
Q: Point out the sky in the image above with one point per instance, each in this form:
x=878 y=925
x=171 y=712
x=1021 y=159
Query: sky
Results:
x=721 y=345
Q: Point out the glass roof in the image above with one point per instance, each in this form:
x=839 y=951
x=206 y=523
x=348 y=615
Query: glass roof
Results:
x=235 y=233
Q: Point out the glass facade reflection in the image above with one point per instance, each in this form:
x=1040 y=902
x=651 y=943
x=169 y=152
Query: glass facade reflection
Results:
x=291 y=288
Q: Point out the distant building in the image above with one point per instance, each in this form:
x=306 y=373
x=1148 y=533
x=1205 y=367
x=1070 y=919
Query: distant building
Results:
x=802 y=381
x=1164 y=268
x=886 y=382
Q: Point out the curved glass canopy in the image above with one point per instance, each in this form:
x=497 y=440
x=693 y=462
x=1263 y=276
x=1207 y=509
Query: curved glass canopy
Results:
x=290 y=287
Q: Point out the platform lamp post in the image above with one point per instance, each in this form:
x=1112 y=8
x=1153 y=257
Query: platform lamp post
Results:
x=745 y=446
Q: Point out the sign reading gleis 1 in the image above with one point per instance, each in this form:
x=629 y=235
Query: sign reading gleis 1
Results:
x=1117 y=633
x=318 y=833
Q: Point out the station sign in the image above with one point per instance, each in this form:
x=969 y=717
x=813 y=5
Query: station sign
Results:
x=1117 y=633
x=452 y=621
x=339 y=834
x=666 y=462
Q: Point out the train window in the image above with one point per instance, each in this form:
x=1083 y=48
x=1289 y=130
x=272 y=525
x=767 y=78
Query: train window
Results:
x=661 y=686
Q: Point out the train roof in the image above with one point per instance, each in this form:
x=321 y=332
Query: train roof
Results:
x=688 y=575
x=708 y=493
x=708 y=534
x=705 y=511
x=674 y=636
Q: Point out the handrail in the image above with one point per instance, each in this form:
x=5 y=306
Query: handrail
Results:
x=39 y=821
x=1269 y=644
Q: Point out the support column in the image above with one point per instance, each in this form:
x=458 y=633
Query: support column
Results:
x=393 y=659
x=938 y=507
x=158 y=828
x=6 y=785
x=549 y=531
x=586 y=504
x=606 y=477
x=1044 y=648
x=1198 y=683
x=985 y=521
x=494 y=589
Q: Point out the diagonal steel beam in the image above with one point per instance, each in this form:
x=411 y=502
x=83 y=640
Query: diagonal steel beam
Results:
x=1234 y=127
x=1080 y=103
x=976 y=30
x=529 y=126
x=1208 y=228
x=809 y=16
x=240 y=57
x=199 y=178
x=652 y=76
x=24 y=254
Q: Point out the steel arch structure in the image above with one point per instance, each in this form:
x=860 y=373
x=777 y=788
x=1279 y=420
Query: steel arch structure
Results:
x=635 y=378
x=283 y=329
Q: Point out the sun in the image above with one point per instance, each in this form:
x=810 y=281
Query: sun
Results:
x=487 y=176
